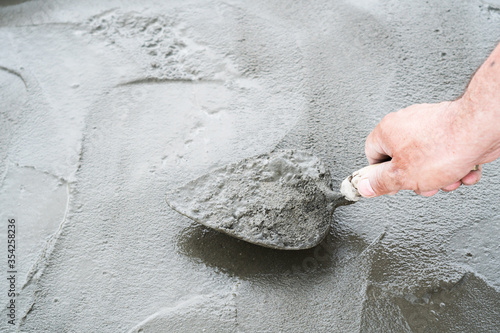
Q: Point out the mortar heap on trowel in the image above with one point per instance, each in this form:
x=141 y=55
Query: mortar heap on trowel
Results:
x=282 y=200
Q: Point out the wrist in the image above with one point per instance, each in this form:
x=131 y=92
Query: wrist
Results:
x=475 y=123
x=480 y=108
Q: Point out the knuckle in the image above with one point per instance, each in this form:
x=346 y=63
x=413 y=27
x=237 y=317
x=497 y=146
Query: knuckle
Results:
x=388 y=180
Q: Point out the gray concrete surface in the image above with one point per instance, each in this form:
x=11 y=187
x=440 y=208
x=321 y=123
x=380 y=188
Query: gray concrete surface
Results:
x=104 y=106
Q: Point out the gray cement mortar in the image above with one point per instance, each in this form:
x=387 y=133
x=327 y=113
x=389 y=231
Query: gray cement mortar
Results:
x=281 y=200
x=106 y=106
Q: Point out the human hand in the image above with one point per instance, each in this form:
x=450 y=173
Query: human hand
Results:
x=425 y=150
x=427 y=147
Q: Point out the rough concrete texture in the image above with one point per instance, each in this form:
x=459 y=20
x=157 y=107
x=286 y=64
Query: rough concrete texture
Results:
x=106 y=105
x=281 y=200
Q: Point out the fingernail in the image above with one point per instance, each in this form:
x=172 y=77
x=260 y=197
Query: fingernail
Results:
x=365 y=189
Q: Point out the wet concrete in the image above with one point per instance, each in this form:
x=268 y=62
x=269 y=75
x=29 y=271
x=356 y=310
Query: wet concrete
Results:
x=282 y=200
x=106 y=106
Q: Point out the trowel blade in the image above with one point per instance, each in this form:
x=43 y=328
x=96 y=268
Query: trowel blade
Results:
x=281 y=200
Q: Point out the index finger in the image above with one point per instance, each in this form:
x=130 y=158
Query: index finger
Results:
x=375 y=151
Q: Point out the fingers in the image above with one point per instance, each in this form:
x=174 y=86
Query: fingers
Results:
x=365 y=189
x=448 y=188
x=429 y=193
x=385 y=179
x=472 y=177
x=375 y=151
x=452 y=187
x=381 y=179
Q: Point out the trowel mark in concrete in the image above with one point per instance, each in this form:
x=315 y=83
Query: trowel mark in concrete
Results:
x=206 y=313
x=199 y=114
x=38 y=228
x=51 y=119
x=448 y=309
x=477 y=245
x=33 y=13
x=41 y=226
x=13 y=72
x=13 y=96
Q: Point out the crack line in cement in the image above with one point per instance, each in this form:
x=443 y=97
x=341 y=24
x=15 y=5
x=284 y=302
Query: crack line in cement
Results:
x=372 y=245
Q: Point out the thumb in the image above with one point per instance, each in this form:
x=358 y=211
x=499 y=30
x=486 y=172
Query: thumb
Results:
x=378 y=179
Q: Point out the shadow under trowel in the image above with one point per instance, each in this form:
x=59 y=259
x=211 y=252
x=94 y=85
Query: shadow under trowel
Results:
x=236 y=257
x=5 y=3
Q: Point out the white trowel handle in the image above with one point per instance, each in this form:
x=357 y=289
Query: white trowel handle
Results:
x=349 y=187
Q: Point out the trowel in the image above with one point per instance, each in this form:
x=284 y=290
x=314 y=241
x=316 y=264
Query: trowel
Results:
x=281 y=200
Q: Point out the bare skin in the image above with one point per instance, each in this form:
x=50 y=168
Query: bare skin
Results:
x=428 y=147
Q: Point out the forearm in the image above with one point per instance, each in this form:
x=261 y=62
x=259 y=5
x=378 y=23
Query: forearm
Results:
x=479 y=113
